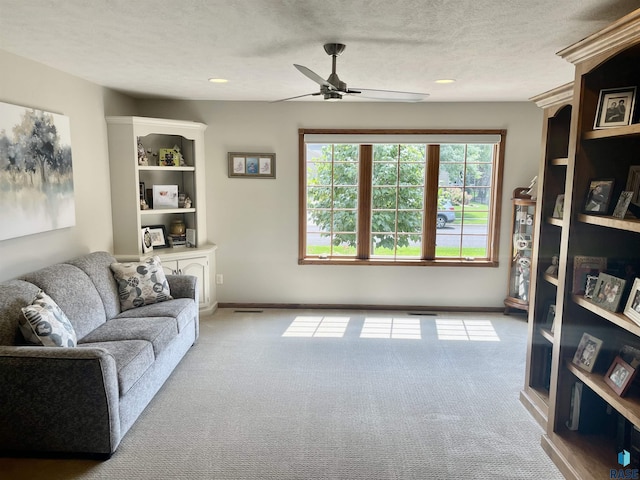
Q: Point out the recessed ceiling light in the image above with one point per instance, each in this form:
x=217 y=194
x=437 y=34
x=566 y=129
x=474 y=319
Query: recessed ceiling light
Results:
x=218 y=80
x=445 y=80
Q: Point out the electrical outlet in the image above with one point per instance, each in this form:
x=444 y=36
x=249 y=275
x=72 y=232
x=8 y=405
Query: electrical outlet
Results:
x=219 y=279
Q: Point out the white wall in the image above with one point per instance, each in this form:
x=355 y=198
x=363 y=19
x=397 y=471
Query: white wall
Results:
x=30 y=84
x=254 y=222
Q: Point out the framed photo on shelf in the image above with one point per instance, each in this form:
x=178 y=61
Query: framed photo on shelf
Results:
x=165 y=196
x=608 y=292
x=252 y=165
x=158 y=235
x=551 y=317
x=615 y=107
x=623 y=204
x=590 y=286
x=633 y=184
x=619 y=376
x=558 y=208
x=583 y=266
x=147 y=243
x=599 y=196
x=632 y=308
x=587 y=352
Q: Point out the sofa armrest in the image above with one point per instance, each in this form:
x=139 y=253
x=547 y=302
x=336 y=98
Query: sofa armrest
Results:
x=183 y=286
x=58 y=400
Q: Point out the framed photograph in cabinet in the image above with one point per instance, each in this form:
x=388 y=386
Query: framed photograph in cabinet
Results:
x=583 y=266
x=158 y=235
x=619 y=376
x=165 y=196
x=633 y=184
x=551 y=317
x=252 y=165
x=615 y=107
x=608 y=292
x=599 y=196
x=587 y=352
x=632 y=308
x=558 y=208
x=623 y=204
x=590 y=286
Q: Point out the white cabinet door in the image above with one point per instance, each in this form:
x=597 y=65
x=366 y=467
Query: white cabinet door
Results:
x=198 y=267
x=170 y=267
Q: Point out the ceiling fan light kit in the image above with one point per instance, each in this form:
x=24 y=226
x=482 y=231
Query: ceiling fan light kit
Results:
x=333 y=89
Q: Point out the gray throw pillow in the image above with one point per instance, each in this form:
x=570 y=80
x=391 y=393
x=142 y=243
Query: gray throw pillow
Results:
x=141 y=283
x=44 y=323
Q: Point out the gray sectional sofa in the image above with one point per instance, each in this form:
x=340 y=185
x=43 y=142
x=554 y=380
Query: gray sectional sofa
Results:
x=82 y=400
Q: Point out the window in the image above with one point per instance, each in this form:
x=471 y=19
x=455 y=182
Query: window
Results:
x=424 y=197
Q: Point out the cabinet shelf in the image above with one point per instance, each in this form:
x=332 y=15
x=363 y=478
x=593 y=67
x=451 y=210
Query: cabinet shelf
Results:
x=629 y=225
x=546 y=334
x=560 y=162
x=552 y=279
x=152 y=168
x=626 y=131
x=586 y=456
x=554 y=221
x=151 y=211
x=618 y=319
x=628 y=406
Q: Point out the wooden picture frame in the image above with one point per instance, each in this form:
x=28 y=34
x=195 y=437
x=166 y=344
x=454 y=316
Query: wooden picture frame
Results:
x=599 y=196
x=623 y=204
x=620 y=376
x=587 y=352
x=159 y=237
x=608 y=292
x=633 y=184
x=583 y=266
x=632 y=308
x=615 y=107
x=251 y=165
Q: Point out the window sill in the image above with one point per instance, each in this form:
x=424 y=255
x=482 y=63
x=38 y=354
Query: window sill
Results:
x=399 y=263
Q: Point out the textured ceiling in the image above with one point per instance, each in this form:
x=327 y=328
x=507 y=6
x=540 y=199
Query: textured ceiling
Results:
x=497 y=50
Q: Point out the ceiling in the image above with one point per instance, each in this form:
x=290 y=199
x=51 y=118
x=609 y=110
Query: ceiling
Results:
x=496 y=50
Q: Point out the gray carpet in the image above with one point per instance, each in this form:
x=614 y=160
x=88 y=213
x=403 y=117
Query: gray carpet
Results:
x=433 y=397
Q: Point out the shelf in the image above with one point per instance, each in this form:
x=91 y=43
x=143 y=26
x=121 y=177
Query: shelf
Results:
x=618 y=319
x=626 y=131
x=552 y=279
x=536 y=401
x=629 y=225
x=628 y=406
x=560 y=162
x=151 y=211
x=554 y=221
x=546 y=334
x=581 y=456
x=166 y=169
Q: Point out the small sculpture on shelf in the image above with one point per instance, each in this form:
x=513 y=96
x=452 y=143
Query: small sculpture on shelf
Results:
x=178 y=158
x=553 y=268
x=187 y=202
x=142 y=155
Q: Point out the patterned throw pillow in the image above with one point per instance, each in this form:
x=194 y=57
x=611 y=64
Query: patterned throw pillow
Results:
x=43 y=323
x=141 y=283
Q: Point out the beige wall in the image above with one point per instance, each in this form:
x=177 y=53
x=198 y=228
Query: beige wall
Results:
x=254 y=222
x=30 y=84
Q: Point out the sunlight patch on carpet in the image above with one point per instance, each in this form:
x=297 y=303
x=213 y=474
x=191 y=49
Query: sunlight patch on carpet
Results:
x=400 y=328
x=307 y=326
x=474 y=330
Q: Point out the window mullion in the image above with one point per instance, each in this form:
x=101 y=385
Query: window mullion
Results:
x=430 y=202
x=364 y=202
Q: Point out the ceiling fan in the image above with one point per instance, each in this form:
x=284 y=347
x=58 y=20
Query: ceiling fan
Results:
x=334 y=89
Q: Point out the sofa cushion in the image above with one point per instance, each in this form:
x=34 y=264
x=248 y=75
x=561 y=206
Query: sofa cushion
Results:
x=96 y=266
x=133 y=358
x=183 y=310
x=74 y=292
x=142 y=283
x=45 y=324
x=160 y=331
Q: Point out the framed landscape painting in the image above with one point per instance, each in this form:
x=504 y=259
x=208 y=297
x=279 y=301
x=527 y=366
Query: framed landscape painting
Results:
x=36 y=172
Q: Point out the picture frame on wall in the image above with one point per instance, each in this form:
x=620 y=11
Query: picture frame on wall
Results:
x=615 y=107
x=632 y=308
x=599 y=196
x=587 y=352
x=158 y=235
x=619 y=376
x=251 y=165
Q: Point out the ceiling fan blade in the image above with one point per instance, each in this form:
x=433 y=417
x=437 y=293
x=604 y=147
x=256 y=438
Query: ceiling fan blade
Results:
x=388 y=95
x=315 y=77
x=297 y=96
